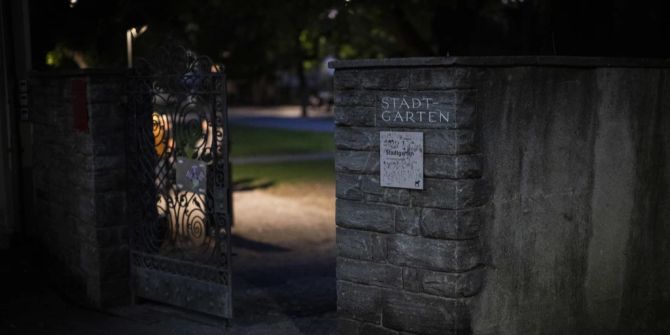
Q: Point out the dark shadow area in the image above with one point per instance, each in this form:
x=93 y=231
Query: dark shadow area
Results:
x=250 y=184
x=244 y=243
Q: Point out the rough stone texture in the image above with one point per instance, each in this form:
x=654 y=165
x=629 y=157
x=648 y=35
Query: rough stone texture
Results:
x=424 y=314
x=441 y=255
x=348 y=186
x=577 y=233
x=451 y=224
x=408 y=220
x=80 y=184
x=416 y=250
x=361 y=244
x=452 y=194
x=379 y=218
x=447 y=284
x=457 y=107
x=370 y=273
x=437 y=166
x=369 y=329
x=359 y=302
x=348 y=326
x=441 y=142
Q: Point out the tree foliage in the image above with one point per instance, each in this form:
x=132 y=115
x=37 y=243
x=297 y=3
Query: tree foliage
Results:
x=258 y=38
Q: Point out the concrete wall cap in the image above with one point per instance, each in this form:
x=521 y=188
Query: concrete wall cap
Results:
x=502 y=61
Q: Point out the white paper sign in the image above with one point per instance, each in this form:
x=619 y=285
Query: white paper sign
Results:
x=401 y=159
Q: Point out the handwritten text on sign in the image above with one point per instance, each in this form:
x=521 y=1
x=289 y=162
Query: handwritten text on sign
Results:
x=401 y=159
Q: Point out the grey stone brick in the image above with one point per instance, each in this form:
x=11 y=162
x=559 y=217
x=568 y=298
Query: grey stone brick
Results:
x=109 y=208
x=437 y=166
x=355 y=98
x=359 y=302
x=369 y=273
x=348 y=326
x=114 y=262
x=351 y=214
x=453 y=167
x=451 y=194
x=369 y=329
x=441 y=78
x=423 y=314
x=360 y=244
x=442 y=142
x=356 y=161
x=110 y=90
x=407 y=220
x=370 y=185
x=452 y=285
x=346 y=80
x=454 y=142
x=439 y=255
x=357 y=139
x=354 y=116
x=348 y=186
x=109 y=237
x=411 y=279
x=384 y=79
x=451 y=224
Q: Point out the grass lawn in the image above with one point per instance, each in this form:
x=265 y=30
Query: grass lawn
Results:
x=249 y=141
x=259 y=175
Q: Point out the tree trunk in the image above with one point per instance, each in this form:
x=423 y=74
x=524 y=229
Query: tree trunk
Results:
x=302 y=88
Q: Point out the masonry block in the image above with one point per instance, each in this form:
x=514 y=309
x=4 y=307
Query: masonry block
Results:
x=359 y=244
x=407 y=220
x=451 y=224
x=417 y=249
x=451 y=194
x=352 y=214
x=442 y=142
x=348 y=326
x=370 y=329
x=354 y=98
x=348 y=186
x=440 y=255
x=381 y=79
x=424 y=314
x=359 y=302
x=347 y=80
x=441 y=78
x=369 y=273
x=359 y=116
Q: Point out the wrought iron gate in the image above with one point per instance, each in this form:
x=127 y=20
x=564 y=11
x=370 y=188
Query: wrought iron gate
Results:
x=179 y=169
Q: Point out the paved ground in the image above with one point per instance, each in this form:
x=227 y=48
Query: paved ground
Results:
x=283 y=264
x=284 y=279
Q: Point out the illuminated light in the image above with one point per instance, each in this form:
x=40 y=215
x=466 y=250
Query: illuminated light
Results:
x=73 y=3
x=132 y=34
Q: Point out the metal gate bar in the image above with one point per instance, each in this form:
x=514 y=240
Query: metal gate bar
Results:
x=179 y=169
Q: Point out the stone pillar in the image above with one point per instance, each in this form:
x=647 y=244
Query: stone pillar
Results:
x=408 y=260
x=80 y=182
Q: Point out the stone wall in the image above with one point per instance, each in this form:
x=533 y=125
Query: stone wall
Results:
x=79 y=209
x=408 y=261
x=575 y=238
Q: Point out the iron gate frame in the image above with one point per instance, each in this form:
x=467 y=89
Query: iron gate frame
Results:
x=179 y=79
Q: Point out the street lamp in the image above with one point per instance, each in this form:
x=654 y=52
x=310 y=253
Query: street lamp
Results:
x=131 y=34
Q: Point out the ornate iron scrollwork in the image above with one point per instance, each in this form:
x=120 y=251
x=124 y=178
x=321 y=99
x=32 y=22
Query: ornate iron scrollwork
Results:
x=180 y=166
